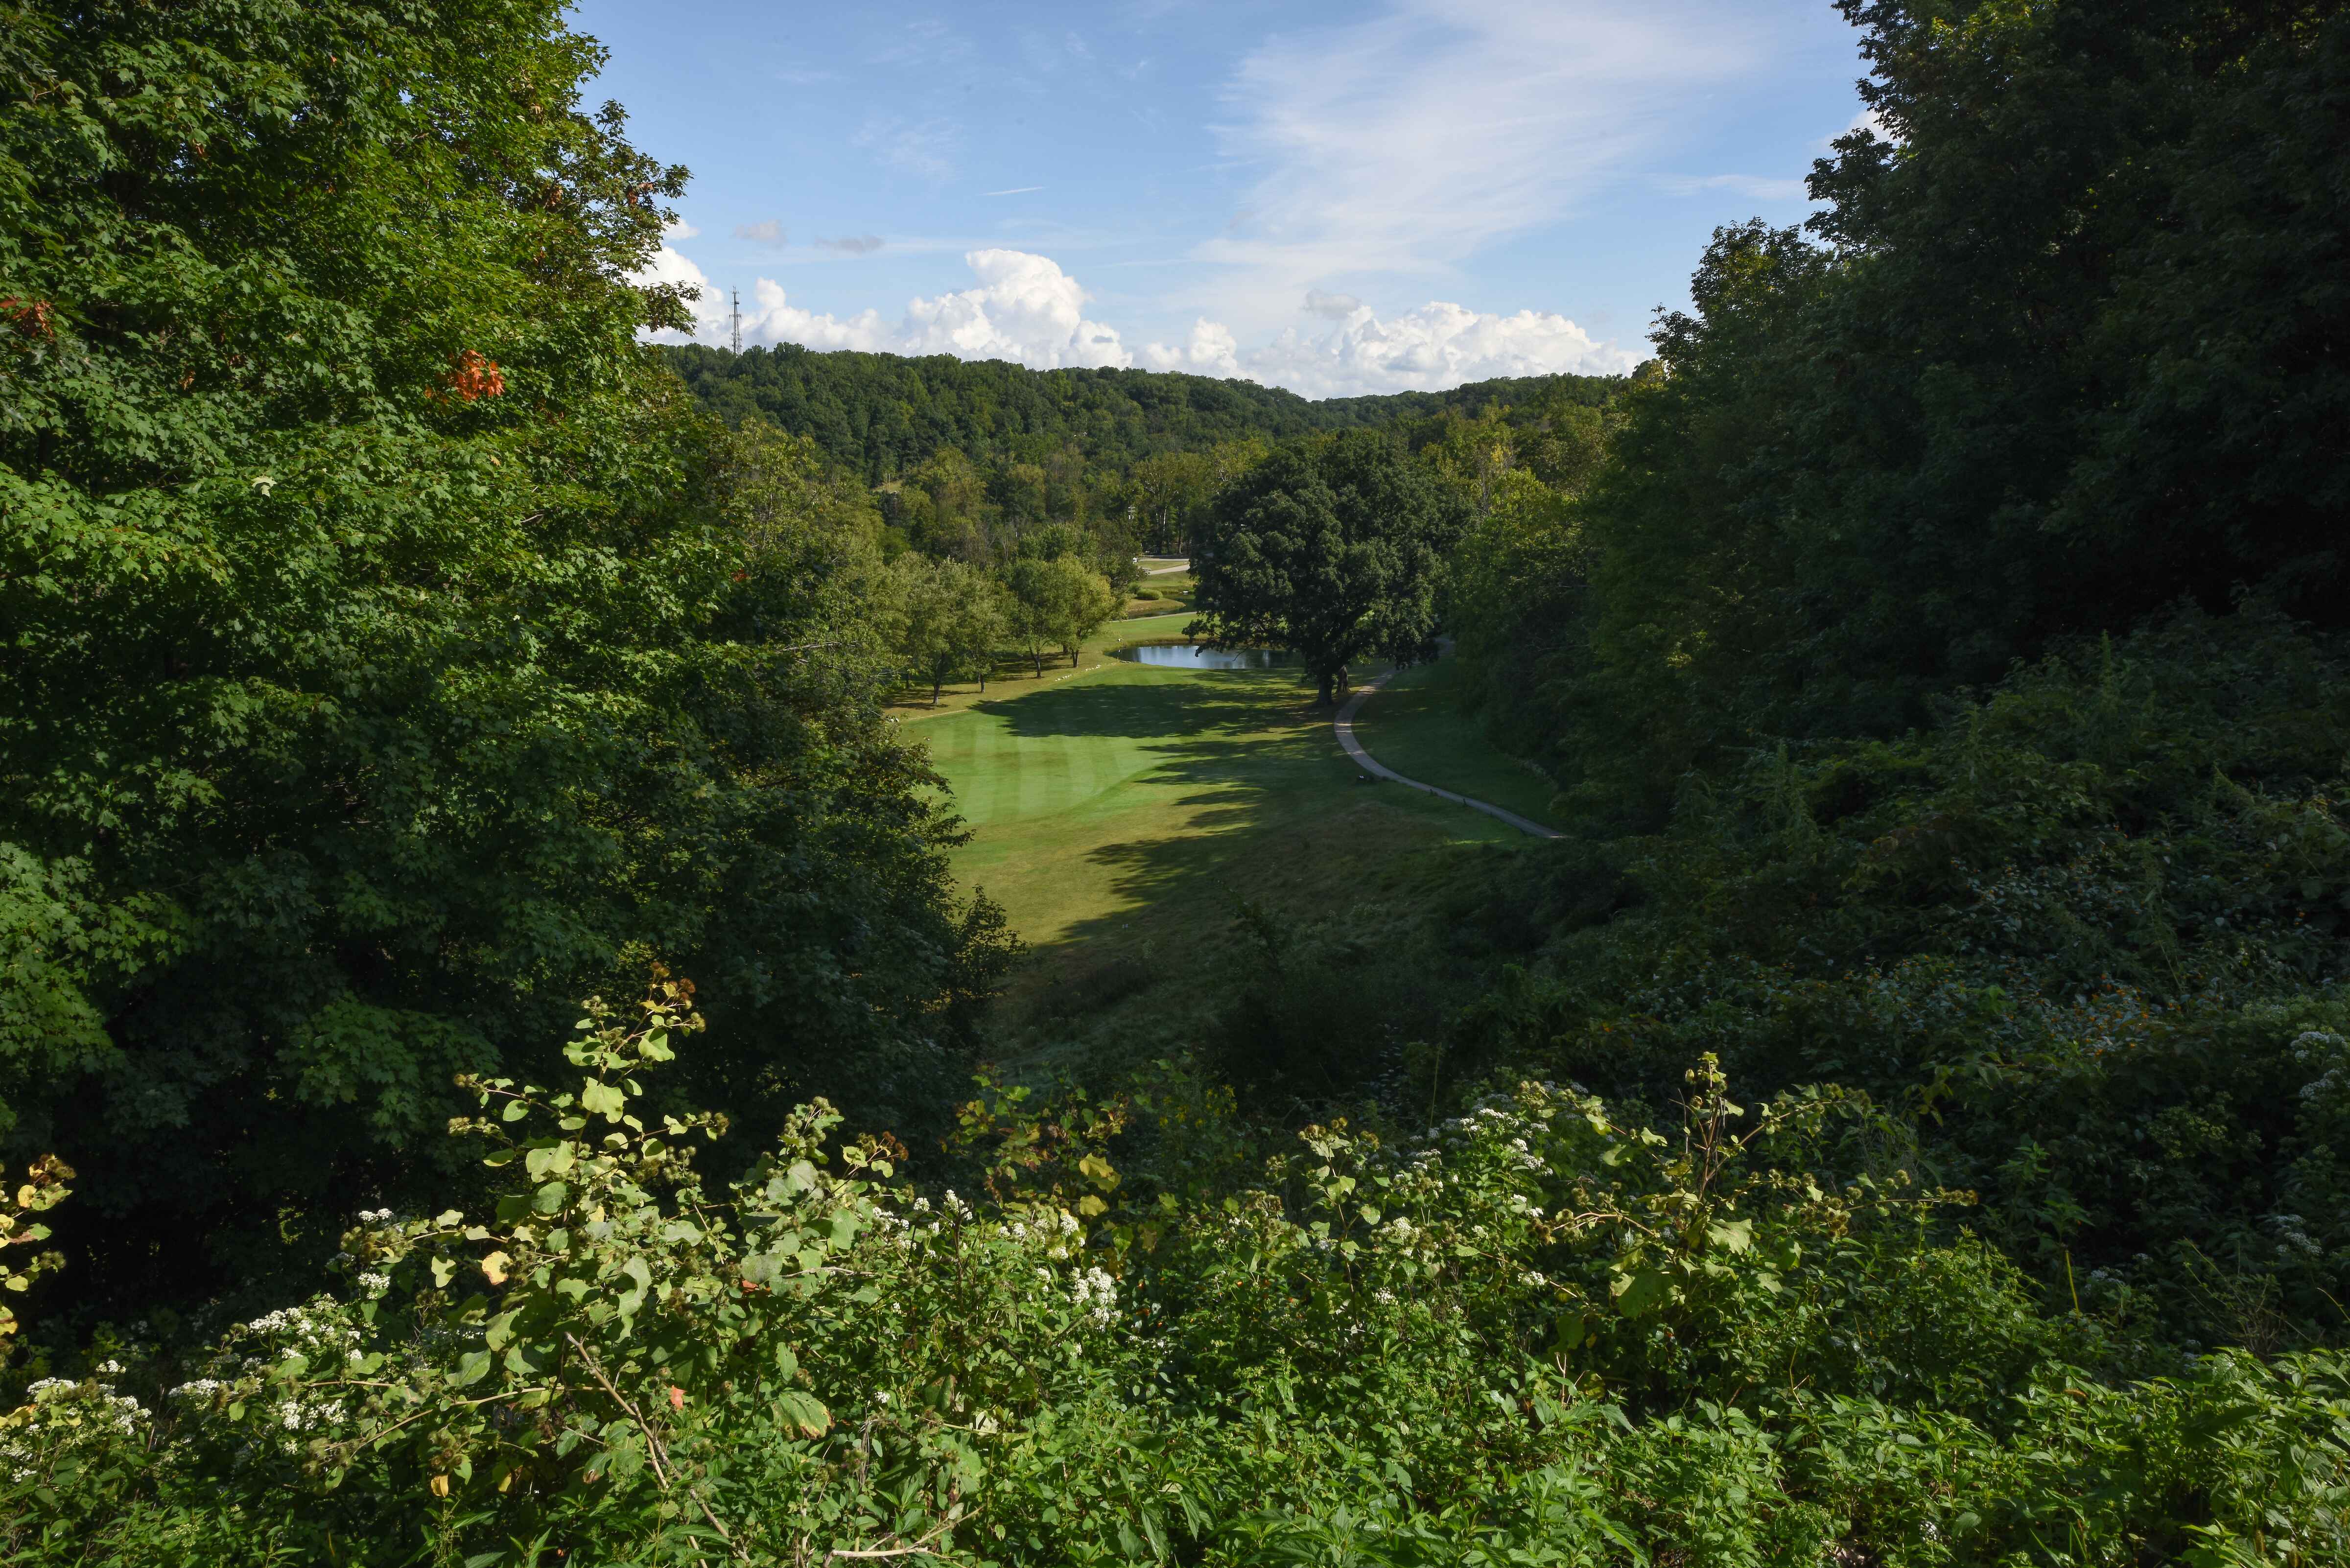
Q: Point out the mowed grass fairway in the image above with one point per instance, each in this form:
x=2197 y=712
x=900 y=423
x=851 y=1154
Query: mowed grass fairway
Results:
x=1100 y=793
x=1119 y=813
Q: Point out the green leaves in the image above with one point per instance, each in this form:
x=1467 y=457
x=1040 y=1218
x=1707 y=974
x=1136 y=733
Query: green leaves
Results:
x=1641 y=1292
x=1335 y=550
x=604 y=1099
x=803 y=1412
x=419 y=660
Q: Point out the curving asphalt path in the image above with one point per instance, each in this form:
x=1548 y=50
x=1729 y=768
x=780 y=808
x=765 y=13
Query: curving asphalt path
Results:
x=1345 y=725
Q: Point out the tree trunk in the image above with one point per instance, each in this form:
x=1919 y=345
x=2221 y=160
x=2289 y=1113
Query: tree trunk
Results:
x=1328 y=684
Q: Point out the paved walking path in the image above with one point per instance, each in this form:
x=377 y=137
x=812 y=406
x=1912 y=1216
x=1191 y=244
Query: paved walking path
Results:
x=1345 y=725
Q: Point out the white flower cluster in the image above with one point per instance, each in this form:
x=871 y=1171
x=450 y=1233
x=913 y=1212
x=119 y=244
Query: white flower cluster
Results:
x=1096 y=1297
x=2312 y=1046
x=305 y=1328
x=1500 y=1125
x=59 y=1412
x=300 y=1416
x=319 y=1331
x=2294 y=1241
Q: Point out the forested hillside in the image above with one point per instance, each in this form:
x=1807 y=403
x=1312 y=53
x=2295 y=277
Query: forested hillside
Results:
x=882 y=416
x=486 y=1015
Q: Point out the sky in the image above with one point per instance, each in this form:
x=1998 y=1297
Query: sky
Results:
x=1338 y=198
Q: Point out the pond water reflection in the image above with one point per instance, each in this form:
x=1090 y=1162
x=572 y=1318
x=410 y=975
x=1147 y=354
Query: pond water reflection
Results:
x=1194 y=656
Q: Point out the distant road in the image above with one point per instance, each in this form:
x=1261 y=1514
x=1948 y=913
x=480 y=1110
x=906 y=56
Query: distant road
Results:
x=1162 y=571
x=1345 y=725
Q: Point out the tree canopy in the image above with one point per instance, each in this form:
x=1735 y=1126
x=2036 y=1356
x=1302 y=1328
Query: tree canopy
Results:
x=1333 y=549
x=883 y=415
x=394 y=654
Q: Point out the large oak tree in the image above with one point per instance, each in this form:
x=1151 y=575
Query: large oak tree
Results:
x=1335 y=550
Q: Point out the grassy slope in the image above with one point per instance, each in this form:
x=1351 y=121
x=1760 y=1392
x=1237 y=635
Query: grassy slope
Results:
x=1118 y=814
x=1415 y=725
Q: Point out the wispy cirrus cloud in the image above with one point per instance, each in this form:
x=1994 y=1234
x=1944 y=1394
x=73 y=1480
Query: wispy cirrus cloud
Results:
x=926 y=42
x=851 y=244
x=924 y=148
x=1754 y=187
x=767 y=232
x=1408 y=141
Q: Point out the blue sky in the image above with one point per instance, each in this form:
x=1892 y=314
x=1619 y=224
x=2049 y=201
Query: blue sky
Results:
x=1338 y=199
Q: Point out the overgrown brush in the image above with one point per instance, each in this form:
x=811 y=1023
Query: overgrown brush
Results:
x=1540 y=1334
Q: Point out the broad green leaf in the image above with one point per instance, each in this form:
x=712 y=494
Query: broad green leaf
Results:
x=1638 y=1294
x=803 y=1411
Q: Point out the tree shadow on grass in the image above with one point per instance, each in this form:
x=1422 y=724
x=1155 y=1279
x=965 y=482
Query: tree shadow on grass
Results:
x=1251 y=751
x=1237 y=701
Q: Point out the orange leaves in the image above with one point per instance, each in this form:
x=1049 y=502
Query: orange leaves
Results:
x=30 y=317
x=474 y=378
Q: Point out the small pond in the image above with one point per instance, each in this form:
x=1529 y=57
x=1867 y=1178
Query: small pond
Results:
x=1193 y=655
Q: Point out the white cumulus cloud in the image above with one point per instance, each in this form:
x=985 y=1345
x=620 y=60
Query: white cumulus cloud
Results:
x=1211 y=350
x=1023 y=308
x=1439 y=345
x=709 y=311
x=1026 y=308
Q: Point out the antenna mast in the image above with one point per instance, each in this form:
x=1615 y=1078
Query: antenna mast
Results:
x=738 y=321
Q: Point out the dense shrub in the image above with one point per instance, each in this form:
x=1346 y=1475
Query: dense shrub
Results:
x=1539 y=1333
x=2091 y=931
x=391 y=651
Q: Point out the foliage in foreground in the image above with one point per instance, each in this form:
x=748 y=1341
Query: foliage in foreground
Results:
x=2091 y=931
x=392 y=654
x=1537 y=1335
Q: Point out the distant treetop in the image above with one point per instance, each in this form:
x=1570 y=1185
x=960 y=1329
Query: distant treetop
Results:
x=882 y=415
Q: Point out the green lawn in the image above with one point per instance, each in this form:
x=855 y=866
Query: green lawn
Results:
x=1415 y=725
x=1096 y=795
x=1119 y=814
